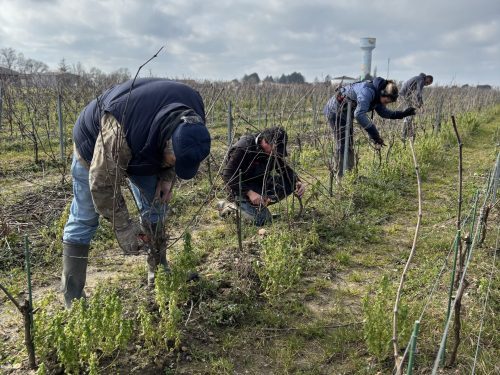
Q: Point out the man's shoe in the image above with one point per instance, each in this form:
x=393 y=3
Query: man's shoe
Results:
x=225 y=208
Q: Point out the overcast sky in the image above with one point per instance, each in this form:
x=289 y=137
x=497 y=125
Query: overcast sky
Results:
x=455 y=40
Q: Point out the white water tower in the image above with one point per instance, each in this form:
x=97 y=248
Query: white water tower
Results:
x=367 y=45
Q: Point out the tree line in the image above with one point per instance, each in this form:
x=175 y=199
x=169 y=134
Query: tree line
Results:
x=294 y=77
x=15 y=63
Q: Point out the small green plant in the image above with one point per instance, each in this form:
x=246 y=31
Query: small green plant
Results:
x=171 y=291
x=280 y=264
x=343 y=257
x=377 y=311
x=78 y=334
x=221 y=366
x=42 y=369
x=153 y=339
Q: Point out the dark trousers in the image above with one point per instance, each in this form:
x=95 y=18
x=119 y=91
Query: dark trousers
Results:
x=338 y=124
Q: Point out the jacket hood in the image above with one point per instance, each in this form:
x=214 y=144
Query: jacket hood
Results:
x=379 y=84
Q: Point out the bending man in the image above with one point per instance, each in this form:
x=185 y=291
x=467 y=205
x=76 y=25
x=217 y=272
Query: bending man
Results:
x=412 y=93
x=149 y=133
x=364 y=97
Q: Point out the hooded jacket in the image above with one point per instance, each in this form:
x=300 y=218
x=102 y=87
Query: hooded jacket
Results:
x=414 y=87
x=365 y=97
x=144 y=112
x=247 y=156
x=129 y=130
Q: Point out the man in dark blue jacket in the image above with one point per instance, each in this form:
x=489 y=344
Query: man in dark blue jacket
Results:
x=412 y=93
x=150 y=131
x=364 y=97
x=412 y=90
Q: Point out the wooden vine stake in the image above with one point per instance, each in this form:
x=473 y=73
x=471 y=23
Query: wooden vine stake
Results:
x=458 y=299
x=397 y=358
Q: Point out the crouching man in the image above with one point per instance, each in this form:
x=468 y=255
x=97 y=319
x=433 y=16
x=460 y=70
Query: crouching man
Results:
x=150 y=133
x=265 y=176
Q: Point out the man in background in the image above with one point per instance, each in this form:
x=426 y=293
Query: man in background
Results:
x=412 y=94
x=256 y=175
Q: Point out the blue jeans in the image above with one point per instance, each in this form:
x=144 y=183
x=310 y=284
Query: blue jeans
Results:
x=260 y=214
x=338 y=123
x=83 y=219
x=277 y=187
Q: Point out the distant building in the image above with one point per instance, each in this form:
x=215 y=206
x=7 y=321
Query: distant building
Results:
x=8 y=75
x=7 y=72
x=343 y=80
x=49 y=79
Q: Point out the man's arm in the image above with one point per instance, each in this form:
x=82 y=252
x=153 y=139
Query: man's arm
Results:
x=236 y=161
x=167 y=176
x=364 y=99
x=292 y=177
x=109 y=163
x=420 y=88
x=384 y=112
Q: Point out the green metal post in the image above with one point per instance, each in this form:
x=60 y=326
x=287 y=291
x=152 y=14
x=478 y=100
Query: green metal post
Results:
x=209 y=166
x=348 y=127
x=452 y=281
x=28 y=273
x=413 y=347
x=259 y=110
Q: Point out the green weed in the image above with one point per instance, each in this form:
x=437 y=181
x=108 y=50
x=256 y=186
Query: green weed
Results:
x=221 y=366
x=280 y=265
x=92 y=326
x=377 y=312
x=171 y=291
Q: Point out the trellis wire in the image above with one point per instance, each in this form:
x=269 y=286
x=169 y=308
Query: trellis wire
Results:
x=464 y=223
x=461 y=283
x=485 y=304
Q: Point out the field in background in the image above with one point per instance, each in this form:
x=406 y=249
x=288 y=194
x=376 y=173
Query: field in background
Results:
x=313 y=295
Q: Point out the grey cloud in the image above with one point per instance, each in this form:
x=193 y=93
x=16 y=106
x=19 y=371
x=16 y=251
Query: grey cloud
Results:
x=227 y=39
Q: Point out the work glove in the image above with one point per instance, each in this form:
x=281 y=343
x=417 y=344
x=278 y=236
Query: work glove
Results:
x=128 y=238
x=378 y=140
x=410 y=111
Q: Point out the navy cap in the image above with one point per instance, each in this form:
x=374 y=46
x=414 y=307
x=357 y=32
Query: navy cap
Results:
x=281 y=148
x=281 y=142
x=191 y=143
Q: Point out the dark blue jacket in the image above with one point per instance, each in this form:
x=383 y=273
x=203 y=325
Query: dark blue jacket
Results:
x=414 y=86
x=145 y=115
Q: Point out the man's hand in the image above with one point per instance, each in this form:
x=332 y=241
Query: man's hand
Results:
x=164 y=191
x=379 y=142
x=300 y=188
x=410 y=111
x=128 y=238
x=257 y=199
